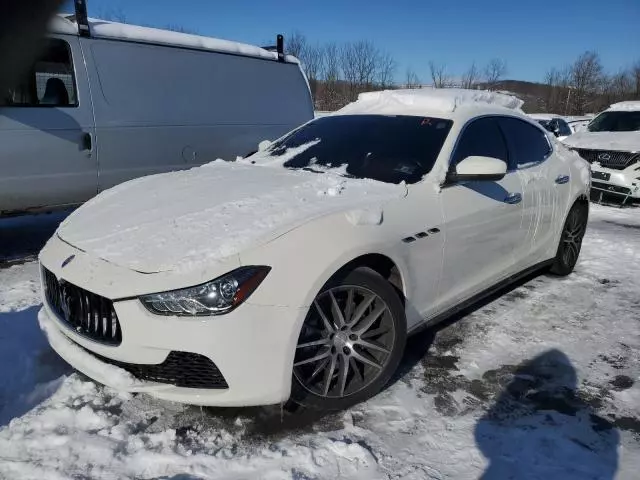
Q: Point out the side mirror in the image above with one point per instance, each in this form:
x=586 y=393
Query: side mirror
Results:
x=477 y=168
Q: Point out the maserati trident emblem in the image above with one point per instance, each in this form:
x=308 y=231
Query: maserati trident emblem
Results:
x=604 y=156
x=67 y=261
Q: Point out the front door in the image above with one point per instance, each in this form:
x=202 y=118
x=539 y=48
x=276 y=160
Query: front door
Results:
x=482 y=219
x=46 y=133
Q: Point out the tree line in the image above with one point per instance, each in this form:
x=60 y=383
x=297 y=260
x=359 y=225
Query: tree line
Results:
x=585 y=86
x=337 y=73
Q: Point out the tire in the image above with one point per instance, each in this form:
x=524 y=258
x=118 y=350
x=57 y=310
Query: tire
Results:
x=345 y=358
x=571 y=240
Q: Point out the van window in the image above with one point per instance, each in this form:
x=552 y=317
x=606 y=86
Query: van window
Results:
x=50 y=81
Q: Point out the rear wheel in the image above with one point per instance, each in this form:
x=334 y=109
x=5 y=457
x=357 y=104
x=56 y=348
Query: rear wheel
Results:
x=351 y=342
x=573 y=232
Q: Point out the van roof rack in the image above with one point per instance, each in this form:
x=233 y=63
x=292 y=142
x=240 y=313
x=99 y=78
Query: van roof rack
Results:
x=81 y=18
x=278 y=47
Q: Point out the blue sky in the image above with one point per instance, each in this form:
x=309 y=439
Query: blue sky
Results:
x=530 y=35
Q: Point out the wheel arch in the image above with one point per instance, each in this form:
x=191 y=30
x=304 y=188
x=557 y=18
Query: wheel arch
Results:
x=383 y=265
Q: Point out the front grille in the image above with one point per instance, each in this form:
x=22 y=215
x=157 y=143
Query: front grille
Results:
x=182 y=369
x=611 y=188
x=86 y=313
x=609 y=158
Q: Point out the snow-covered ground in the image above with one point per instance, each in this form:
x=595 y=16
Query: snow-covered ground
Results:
x=539 y=382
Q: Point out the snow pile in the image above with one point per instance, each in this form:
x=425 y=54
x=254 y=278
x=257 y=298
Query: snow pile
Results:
x=628 y=106
x=620 y=141
x=120 y=31
x=427 y=101
x=117 y=377
x=25 y=291
x=182 y=220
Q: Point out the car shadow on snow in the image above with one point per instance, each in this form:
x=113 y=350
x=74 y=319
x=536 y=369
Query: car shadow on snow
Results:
x=30 y=371
x=21 y=238
x=434 y=341
x=541 y=427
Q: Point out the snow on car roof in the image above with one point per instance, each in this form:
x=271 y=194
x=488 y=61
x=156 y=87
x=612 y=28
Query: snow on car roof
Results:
x=428 y=101
x=629 y=106
x=542 y=116
x=119 y=31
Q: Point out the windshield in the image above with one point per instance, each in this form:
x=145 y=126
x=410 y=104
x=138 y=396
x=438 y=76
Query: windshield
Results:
x=390 y=149
x=616 y=122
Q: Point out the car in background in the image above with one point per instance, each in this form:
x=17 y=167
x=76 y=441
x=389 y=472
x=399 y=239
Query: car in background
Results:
x=611 y=144
x=106 y=102
x=554 y=124
x=299 y=272
x=578 y=123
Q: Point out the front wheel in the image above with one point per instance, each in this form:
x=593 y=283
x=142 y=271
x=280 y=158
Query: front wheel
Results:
x=573 y=232
x=351 y=342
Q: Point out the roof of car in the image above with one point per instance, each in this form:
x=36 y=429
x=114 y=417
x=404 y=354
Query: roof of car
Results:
x=543 y=116
x=440 y=102
x=629 y=106
x=65 y=24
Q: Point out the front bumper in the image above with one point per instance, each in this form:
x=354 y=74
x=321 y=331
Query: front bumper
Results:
x=622 y=183
x=252 y=347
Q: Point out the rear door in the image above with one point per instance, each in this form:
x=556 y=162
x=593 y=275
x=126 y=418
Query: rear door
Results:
x=46 y=130
x=483 y=220
x=544 y=183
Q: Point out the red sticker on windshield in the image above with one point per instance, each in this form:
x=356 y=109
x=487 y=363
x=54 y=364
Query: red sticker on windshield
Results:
x=426 y=121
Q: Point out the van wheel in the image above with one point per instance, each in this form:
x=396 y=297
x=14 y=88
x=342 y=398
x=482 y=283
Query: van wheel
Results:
x=350 y=344
x=573 y=232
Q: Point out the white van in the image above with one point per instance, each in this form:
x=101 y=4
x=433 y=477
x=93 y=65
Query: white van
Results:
x=107 y=102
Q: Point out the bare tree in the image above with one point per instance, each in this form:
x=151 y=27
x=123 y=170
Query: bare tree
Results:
x=296 y=44
x=330 y=73
x=471 y=77
x=586 y=76
x=635 y=75
x=366 y=60
x=349 y=67
x=412 y=80
x=439 y=75
x=494 y=71
x=385 y=70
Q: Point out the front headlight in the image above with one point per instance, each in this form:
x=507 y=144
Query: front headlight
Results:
x=212 y=298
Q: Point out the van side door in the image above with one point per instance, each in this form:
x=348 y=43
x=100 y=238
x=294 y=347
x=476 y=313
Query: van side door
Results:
x=46 y=133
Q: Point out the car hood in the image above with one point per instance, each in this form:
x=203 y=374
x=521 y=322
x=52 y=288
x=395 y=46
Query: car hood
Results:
x=621 y=141
x=187 y=219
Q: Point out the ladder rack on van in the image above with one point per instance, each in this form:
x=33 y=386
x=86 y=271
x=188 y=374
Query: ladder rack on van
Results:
x=82 y=18
x=278 y=47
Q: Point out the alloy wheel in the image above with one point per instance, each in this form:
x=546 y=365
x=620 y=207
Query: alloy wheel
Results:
x=572 y=237
x=345 y=343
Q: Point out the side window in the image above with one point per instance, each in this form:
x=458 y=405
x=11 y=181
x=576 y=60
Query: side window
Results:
x=528 y=145
x=50 y=81
x=481 y=137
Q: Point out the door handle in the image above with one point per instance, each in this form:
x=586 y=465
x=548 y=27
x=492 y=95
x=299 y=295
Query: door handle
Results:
x=87 y=142
x=513 y=198
x=562 y=179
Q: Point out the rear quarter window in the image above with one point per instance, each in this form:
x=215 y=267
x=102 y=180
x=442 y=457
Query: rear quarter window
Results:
x=528 y=145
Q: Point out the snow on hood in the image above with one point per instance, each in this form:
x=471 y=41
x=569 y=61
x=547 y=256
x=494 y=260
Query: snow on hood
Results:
x=427 y=101
x=622 y=141
x=179 y=221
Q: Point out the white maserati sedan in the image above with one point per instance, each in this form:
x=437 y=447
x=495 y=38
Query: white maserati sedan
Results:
x=299 y=271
